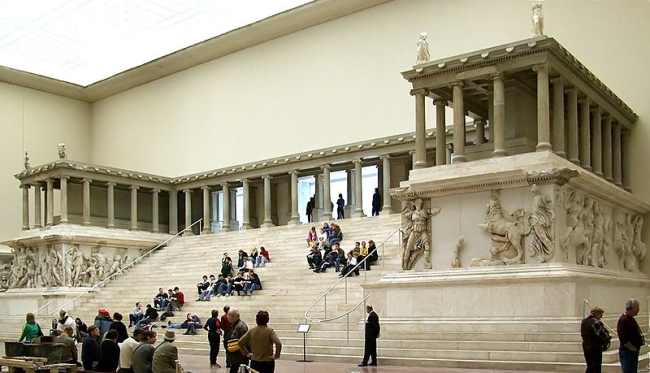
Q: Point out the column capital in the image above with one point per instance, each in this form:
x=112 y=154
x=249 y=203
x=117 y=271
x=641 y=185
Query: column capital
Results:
x=264 y=177
x=155 y=190
x=458 y=83
x=540 y=66
x=292 y=172
x=134 y=187
x=440 y=100
x=584 y=100
x=64 y=177
x=596 y=109
x=87 y=180
x=205 y=187
x=385 y=157
x=498 y=75
x=326 y=166
x=25 y=186
x=187 y=190
x=557 y=80
x=112 y=184
x=420 y=91
x=572 y=90
x=225 y=185
x=357 y=161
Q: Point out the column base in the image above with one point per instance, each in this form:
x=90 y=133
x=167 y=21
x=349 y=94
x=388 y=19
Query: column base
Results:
x=575 y=161
x=294 y=220
x=206 y=231
x=458 y=158
x=225 y=227
x=358 y=214
x=420 y=164
x=246 y=226
x=561 y=153
x=543 y=147
x=268 y=224
x=588 y=168
x=326 y=215
x=499 y=153
x=386 y=210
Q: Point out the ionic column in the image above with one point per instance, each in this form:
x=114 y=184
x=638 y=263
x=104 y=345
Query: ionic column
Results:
x=386 y=208
x=558 y=116
x=110 y=208
x=86 y=201
x=134 y=207
x=607 y=148
x=597 y=142
x=38 y=222
x=625 y=155
x=268 y=220
x=420 y=131
x=50 y=202
x=351 y=189
x=154 y=210
x=499 y=113
x=207 y=226
x=585 y=134
x=188 y=211
x=572 y=102
x=358 y=191
x=543 y=114
x=246 y=224
x=617 y=157
x=173 y=211
x=295 y=218
x=479 y=123
x=63 y=181
x=225 y=226
x=327 y=197
x=441 y=134
x=25 y=188
x=459 y=124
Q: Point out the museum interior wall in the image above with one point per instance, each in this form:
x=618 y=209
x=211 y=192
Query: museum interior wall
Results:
x=35 y=121
x=338 y=82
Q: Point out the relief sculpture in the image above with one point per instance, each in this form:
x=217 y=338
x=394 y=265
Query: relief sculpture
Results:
x=416 y=235
x=541 y=223
x=629 y=246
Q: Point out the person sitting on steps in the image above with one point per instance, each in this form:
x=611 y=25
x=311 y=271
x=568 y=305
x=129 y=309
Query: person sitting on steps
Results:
x=202 y=285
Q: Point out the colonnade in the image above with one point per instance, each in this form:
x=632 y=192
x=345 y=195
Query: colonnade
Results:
x=46 y=187
x=576 y=128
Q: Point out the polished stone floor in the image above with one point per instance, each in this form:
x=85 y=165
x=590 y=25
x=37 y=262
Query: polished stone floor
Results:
x=198 y=364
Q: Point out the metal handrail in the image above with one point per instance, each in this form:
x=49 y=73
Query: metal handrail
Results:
x=347 y=317
x=72 y=301
x=323 y=295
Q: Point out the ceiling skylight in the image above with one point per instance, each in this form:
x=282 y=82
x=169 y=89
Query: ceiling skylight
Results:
x=84 y=41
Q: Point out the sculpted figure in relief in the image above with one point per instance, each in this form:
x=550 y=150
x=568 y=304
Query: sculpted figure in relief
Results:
x=55 y=266
x=639 y=248
x=541 y=222
x=580 y=224
x=601 y=241
x=75 y=267
x=506 y=232
x=5 y=276
x=537 y=19
x=422 y=49
x=416 y=240
x=31 y=267
x=455 y=263
x=629 y=243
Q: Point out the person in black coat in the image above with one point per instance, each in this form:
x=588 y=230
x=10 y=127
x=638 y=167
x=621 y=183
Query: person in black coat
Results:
x=109 y=353
x=372 y=333
x=630 y=337
x=595 y=340
x=119 y=327
x=90 y=349
x=376 y=203
x=340 y=207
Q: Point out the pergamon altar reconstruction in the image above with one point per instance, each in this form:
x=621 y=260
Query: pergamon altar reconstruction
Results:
x=415 y=184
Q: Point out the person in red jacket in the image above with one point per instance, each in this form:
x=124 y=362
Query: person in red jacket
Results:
x=178 y=299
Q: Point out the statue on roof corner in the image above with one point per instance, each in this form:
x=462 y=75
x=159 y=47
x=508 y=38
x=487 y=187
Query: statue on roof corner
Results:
x=27 y=165
x=537 y=18
x=61 y=148
x=422 y=49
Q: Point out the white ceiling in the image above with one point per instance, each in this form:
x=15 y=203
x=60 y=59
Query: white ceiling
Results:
x=84 y=41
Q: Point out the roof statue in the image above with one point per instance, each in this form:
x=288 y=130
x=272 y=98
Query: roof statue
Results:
x=27 y=165
x=61 y=148
x=422 y=49
x=537 y=18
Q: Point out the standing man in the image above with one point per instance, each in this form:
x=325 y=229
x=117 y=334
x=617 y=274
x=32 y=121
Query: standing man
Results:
x=258 y=344
x=372 y=333
x=595 y=340
x=340 y=207
x=165 y=355
x=235 y=354
x=225 y=328
x=310 y=209
x=143 y=353
x=126 y=351
x=90 y=349
x=630 y=337
x=213 y=326
x=376 y=202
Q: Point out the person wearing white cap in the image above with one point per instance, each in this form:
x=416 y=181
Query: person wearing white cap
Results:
x=65 y=320
x=165 y=355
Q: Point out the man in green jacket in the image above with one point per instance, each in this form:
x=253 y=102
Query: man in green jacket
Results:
x=166 y=354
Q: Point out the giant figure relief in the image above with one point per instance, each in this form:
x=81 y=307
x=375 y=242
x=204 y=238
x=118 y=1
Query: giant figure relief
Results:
x=629 y=245
x=53 y=267
x=416 y=233
x=589 y=229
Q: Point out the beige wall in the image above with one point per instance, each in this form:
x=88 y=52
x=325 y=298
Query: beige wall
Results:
x=339 y=82
x=36 y=122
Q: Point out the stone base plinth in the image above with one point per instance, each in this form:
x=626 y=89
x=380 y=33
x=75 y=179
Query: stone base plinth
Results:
x=42 y=301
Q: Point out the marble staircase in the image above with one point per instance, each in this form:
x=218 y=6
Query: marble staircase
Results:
x=290 y=288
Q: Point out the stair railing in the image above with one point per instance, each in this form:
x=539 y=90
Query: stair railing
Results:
x=347 y=314
x=70 y=303
x=344 y=280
